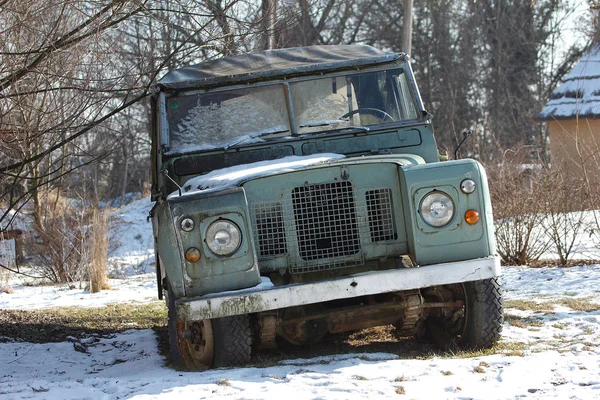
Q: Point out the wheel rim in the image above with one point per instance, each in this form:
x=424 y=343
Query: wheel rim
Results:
x=198 y=345
x=448 y=328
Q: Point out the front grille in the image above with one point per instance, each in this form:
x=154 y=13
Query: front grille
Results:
x=326 y=223
x=270 y=229
x=322 y=226
x=379 y=211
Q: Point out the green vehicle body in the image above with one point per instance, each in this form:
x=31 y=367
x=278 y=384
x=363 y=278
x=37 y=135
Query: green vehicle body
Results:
x=344 y=227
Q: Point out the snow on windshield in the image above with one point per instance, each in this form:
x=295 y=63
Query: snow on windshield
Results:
x=215 y=120
x=322 y=102
x=231 y=176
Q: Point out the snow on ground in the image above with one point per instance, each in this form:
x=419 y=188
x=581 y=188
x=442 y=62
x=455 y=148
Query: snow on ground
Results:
x=135 y=289
x=550 y=347
x=558 y=356
x=132 y=243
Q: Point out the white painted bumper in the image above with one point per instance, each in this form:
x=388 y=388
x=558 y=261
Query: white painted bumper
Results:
x=263 y=299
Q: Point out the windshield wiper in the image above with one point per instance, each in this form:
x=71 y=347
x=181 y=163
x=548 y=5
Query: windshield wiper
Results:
x=253 y=136
x=349 y=129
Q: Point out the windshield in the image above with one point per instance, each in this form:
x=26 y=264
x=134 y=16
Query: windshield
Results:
x=280 y=111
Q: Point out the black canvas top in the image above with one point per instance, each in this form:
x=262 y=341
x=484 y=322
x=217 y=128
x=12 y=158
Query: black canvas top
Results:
x=274 y=63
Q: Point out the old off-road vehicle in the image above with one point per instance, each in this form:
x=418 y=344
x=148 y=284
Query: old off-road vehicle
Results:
x=300 y=192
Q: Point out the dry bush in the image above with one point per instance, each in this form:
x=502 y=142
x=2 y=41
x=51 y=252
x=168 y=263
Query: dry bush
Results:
x=4 y=273
x=70 y=241
x=574 y=207
x=55 y=247
x=98 y=252
x=4 y=285
x=538 y=208
x=518 y=209
x=565 y=203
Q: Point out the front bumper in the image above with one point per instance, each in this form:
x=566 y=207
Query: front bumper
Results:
x=259 y=298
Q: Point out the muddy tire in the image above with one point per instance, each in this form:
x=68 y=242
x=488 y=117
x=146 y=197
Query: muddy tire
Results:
x=233 y=340
x=195 y=353
x=200 y=345
x=176 y=358
x=484 y=314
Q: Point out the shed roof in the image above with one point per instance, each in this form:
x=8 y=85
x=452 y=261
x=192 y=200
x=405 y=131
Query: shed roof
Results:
x=579 y=94
x=274 y=63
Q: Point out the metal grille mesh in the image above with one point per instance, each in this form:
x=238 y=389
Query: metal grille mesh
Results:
x=326 y=223
x=322 y=226
x=269 y=227
x=379 y=211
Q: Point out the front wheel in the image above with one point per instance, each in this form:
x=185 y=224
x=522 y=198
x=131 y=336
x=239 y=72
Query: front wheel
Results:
x=200 y=345
x=484 y=309
x=476 y=324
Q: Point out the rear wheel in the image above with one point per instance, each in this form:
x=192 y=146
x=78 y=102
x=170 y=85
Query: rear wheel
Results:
x=200 y=345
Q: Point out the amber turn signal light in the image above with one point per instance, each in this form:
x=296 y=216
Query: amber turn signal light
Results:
x=472 y=217
x=192 y=254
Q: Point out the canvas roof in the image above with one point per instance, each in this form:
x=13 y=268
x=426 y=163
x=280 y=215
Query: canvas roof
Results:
x=579 y=93
x=273 y=64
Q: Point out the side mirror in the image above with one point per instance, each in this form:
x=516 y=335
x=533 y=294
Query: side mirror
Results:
x=466 y=134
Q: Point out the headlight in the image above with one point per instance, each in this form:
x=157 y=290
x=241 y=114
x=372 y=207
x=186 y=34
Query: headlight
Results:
x=223 y=237
x=437 y=209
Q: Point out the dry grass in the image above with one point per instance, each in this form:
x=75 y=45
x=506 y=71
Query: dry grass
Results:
x=224 y=382
x=380 y=334
x=529 y=305
x=502 y=347
x=446 y=373
x=580 y=304
x=4 y=285
x=587 y=331
x=515 y=321
x=98 y=252
x=522 y=322
x=400 y=390
x=4 y=273
x=54 y=325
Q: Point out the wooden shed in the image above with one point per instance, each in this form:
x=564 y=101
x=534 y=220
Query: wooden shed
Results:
x=573 y=115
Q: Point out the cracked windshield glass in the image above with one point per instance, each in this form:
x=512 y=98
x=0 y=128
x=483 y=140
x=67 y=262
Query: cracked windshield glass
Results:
x=203 y=121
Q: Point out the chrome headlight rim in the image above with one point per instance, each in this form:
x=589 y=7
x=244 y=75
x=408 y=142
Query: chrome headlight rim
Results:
x=437 y=209
x=223 y=237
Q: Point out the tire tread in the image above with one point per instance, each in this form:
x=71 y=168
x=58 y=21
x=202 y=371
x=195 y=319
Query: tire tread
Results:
x=233 y=340
x=487 y=305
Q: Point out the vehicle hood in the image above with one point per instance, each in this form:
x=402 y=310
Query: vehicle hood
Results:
x=234 y=176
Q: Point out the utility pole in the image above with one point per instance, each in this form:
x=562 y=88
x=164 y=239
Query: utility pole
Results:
x=269 y=15
x=407 y=34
